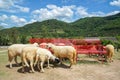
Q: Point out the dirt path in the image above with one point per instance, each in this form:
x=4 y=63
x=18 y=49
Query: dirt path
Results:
x=78 y=72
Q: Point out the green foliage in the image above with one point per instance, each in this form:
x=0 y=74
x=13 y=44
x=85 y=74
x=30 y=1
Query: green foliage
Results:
x=4 y=40
x=1 y=27
x=105 y=42
x=118 y=38
x=118 y=43
x=23 y=39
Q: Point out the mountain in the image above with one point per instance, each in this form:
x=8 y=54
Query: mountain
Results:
x=85 y=27
x=99 y=26
x=48 y=28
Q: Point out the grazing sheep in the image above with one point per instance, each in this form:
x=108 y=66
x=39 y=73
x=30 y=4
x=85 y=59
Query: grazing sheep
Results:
x=63 y=52
x=35 y=54
x=110 y=52
x=44 y=55
x=16 y=50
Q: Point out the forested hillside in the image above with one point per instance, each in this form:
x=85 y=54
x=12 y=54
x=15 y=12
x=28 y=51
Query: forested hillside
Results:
x=99 y=26
x=1 y=27
x=85 y=27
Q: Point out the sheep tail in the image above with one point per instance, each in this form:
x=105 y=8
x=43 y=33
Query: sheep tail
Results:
x=10 y=56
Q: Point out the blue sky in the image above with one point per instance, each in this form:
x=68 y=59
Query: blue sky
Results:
x=22 y=12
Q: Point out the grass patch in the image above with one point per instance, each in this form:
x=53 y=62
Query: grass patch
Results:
x=3 y=57
x=3 y=63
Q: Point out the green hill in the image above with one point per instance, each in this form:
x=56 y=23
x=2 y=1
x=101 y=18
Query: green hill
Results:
x=99 y=26
x=85 y=27
x=44 y=28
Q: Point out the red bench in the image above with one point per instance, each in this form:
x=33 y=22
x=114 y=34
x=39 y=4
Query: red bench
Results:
x=90 y=49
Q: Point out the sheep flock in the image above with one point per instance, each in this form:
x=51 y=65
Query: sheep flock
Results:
x=32 y=55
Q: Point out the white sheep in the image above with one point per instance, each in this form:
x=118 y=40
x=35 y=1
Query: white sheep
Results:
x=35 y=54
x=16 y=50
x=110 y=52
x=28 y=54
x=44 y=55
x=63 y=52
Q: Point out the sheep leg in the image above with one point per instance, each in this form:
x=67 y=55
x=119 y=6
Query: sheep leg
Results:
x=10 y=60
x=25 y=61
x=38 y=65
x=10 y=64
x=107 y=58
x=48 y=64
x=31 y=65
x=36 y=60
x=23 y=66
x=15 y=59
x=71 y=62
x=41 y=64
x=61 y=62
x=111 y=60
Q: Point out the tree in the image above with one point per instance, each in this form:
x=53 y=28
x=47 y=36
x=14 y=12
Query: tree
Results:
x=0 y=40
x=14 y=36
x=45 y=32
x=4 y=40
x=23 y=39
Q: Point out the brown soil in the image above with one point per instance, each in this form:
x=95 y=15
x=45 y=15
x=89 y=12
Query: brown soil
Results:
x=81 y=71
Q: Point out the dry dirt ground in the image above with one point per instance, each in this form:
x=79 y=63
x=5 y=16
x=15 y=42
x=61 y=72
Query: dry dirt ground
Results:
x=83 y=70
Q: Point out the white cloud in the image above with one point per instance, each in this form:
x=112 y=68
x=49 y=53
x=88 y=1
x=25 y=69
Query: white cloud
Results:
x=12 y=6
x=32 y=20
x=13 y=20
x=66 y=13
x=115 y=3
x=3 y=17
x=112 y=13
x=18 y=21
x=6 y=4
x=22 y=20
x=82 y=12
x=54 y=12
x=23 y=9
x=4 y=24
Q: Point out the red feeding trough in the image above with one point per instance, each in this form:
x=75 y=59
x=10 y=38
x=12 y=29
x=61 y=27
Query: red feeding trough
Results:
x=60 y=44
x=82 y=46
x=43 y=45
